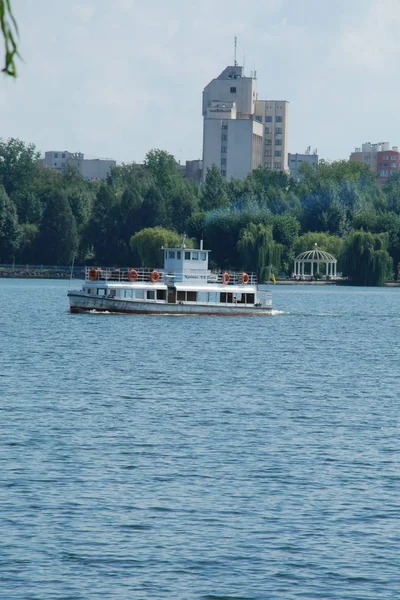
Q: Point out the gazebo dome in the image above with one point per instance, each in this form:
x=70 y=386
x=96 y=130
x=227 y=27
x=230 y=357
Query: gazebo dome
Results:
x=305 y=263
x=316 y=255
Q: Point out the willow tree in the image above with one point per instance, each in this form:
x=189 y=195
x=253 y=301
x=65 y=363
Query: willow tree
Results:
x=148 y=244
x=9 y=30
x=258 y=250
x=365 y=258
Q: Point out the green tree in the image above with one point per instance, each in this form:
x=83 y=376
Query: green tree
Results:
x=9 y=228
x=365 y=258
x=58 y=238
x=148 y=244
x=28 y=243
x=213 y=193
x=329 y=243
x=19 y=164
x=391 y=190
x=101 y=232
x=258 y=250
x=285 y=229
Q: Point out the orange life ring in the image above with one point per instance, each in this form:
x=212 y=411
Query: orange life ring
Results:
x=245 y=278
x=154 y=276
x=133 y=275
x=93 y=274
x=226 y=278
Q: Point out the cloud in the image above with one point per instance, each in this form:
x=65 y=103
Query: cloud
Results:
x=370 y=42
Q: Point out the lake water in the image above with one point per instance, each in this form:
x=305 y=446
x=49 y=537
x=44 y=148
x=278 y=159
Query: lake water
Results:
x=200 y=457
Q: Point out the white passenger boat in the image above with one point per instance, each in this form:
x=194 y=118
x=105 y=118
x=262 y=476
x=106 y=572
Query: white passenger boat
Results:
x=185 y=286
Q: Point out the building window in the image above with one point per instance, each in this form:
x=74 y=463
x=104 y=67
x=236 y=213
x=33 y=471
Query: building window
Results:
x=223 y=149
x=384 y=173
x=278 y=152
x=278 y=130
x=278 y=142
x=55 y=154
x=259 y=119
x=385 y=158
x=268 y=153
x=224 y=126
x=233 y=90
x=224 y=137
x=63 y=155
x=268 y=130
x=393 y=158
x=268 y=119
x=278 y=120
x=277 y=165
x=223 y=161
x=268 y=142
x=223 y=172
x=268 y=165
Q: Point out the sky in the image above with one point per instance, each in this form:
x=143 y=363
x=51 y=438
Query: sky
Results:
x=116 y=78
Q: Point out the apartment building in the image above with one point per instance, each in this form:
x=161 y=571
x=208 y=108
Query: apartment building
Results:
x=382 y=159
x=296 y=160
x=89 y=168
x=240 y=132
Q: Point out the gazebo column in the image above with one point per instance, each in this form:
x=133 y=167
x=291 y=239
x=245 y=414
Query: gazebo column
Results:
x=312 y=268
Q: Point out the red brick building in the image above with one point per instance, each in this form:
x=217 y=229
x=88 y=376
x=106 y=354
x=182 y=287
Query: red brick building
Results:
x=388 y=162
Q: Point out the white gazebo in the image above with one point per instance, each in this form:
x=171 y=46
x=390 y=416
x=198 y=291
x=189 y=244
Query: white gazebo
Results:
x=308 y=263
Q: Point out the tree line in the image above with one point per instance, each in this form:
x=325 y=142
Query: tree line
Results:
x=50 y=217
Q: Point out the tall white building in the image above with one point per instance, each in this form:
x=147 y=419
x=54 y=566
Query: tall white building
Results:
x=89 y=168
x=241 y=132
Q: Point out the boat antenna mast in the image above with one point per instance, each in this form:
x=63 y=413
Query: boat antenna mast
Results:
x=183 y=240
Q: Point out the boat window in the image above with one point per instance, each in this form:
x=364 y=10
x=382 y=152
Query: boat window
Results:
x=128 y=293
x=186 y=296
x=112 y=293
x=228 y=298
x=166 y=255
x=212 y=296
x=101 y=292
x=195 y=256
x=202 y=297
x=250 y=298
x=241 y=298
x=203 y=255
x=178 y=255
x=161 y=295
x=171 y=254
x=139 y=294
x=151 y=294
x=187 y=255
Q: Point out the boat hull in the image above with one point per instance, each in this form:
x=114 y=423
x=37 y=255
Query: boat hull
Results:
x=82 y=303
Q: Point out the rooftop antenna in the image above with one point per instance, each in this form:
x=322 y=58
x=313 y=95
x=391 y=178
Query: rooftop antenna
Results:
x=235 y=50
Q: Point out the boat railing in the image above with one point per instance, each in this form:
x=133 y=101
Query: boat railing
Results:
x=146 y=275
